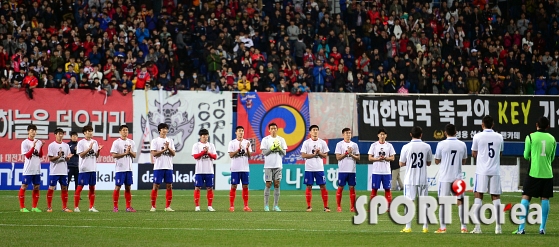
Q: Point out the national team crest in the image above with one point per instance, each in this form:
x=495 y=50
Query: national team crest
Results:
x=180 y=126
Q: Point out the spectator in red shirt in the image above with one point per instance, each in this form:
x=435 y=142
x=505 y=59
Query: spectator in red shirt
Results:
x=30 y=82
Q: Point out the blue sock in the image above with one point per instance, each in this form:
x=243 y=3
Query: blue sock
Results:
x=545 y=212
x=526 y=205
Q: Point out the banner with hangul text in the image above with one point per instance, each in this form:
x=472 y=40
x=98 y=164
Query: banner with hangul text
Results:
x=52 y=108
x=186 y=113
x=514 y=116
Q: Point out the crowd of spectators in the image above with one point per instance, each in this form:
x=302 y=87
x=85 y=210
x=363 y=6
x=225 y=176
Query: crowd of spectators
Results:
x=386 y=46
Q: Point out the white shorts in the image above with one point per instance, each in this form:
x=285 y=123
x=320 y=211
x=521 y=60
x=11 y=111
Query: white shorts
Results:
x=488 y=183
x=445 y=189
x=413 y=191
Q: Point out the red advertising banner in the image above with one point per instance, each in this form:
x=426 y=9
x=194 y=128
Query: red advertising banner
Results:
x=50 y=109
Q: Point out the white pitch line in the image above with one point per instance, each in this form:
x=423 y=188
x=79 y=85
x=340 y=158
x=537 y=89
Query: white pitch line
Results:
x=201 y=229
x=182 y=220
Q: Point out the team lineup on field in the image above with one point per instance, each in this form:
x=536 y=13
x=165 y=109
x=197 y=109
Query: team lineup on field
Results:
x=450 y=155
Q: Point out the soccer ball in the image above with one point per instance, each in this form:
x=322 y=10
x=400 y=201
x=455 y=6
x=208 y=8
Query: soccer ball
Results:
x=459 y=187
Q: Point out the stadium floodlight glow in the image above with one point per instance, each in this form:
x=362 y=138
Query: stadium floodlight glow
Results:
x=427 y=206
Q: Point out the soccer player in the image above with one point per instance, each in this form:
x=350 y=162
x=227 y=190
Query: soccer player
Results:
x=416 y=155
x=539 y=149
x=59 y=153
x=487 y=147
x=313 y=151
x=274 y=148
x=451 y=154
x=239 y=152
x=73 y=163
x=89 y=150
x=381 y=153
x=204 y=152
x=32 y=149
x=347 y=154
x=123 y=153
x=163 y=150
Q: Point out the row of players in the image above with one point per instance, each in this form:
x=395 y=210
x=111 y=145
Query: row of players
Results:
x=450 y=155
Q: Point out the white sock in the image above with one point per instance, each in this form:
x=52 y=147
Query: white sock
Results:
x=478 y=201
x=461 y=215
x=497 y=205
x=408 y=225
x=441 y=218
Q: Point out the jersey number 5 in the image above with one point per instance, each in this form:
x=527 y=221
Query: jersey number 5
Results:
x=491 y=150
x=415 y=157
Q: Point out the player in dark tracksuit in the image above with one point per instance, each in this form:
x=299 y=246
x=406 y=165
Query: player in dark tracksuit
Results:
x=73 y=163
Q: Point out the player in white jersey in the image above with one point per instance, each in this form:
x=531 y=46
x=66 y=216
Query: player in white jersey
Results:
x=450 y=154
x=204 y=153
x=162 y=150
x=416 y=156
x=32 y=149
x=314 y=150
x=59 y=153
x=123 y=153
x=274 y=148
x=381 y=153
x=239 y=152
x=89 y=150
x=347 y=154
x=487 y=147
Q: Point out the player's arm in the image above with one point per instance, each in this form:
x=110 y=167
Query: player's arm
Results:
x=212 y=152
x=84 y=152
x=390 y=158
x=249 y=149
x=115 y=153
x=156 y=153
x=326 y=150
x=171 y=148
x=99 y=147
x=338 y=152
x=132 y=153
x=527 y=148
x=438 y=154
x=51 y=153
x=403 y=156
x=474 y=147
x=232 y=151
x=283 y=148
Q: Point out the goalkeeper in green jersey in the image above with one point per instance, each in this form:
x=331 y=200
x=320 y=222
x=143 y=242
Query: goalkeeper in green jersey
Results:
x=539 y=149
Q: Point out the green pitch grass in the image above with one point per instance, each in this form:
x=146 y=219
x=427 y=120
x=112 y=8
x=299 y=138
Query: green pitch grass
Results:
x=292 y=227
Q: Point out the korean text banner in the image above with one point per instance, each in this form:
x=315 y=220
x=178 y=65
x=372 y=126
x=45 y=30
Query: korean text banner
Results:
x=514 y=117
x=51 y=108
x=290 y=112
x=186 y=113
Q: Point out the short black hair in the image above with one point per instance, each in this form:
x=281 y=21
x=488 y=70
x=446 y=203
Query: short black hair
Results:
x=239 y=127
x=314 y=126
x=488 y=122
x=122 y=127
x=31 y=127
x=59 y=130
x=543 y=123
x=203 y=132
x=416 y=132
x=381 y=130
x=73 y=133
x=450 y=129
x=87 y=128
x=345 y=129
x=272 y=124
x=162 y=126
